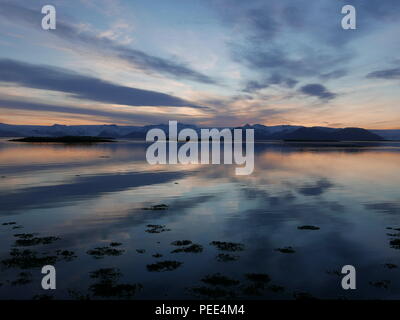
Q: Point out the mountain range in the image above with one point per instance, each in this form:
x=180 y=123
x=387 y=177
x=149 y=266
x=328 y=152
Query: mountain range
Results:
x=282 y=132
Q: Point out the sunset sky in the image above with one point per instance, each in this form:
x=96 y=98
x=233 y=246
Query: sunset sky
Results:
x=207 y=62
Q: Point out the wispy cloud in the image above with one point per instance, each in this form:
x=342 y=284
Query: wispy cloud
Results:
x=110 y=116
x=317 y=90
x=385 y=74
x=275 y=79
x=137 y=58
x=82 y=86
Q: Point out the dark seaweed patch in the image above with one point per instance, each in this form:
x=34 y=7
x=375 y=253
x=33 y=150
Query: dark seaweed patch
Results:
x=110 y=290
x=23 y=278
x=108 y=287
x=77 y=295
x=275 y=288
x=219 y=280
x=106 y=274
x=258 y=277
x=140 y=251
x=155 y=228
x=9 y=223
x=157 y=255
x=285 y=250
x=308 y=228
x=390 y=265
x=303 y=296
x=212 y=293
x=29 y=239
x=395 y=243
x=380 y=284
x=26 y=259
x=157 y=207
x=42 y=297
x=227 y=246
x=194 y=248
x=66 y=255
x=115 y=244
x=225 y=257
x=163 y=266
x=390 y=228
x=100 y=252
x=252 y=290
x=181 y=243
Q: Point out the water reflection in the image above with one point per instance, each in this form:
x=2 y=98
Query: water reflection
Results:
x=94 y=195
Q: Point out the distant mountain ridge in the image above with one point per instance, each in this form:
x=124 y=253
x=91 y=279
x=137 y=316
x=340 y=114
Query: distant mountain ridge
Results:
x=262 y=132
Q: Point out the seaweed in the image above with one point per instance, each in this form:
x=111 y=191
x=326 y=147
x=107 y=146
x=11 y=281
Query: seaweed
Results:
x=26 y=259
x=181 y=243
x=141 y=251
x=380 y=284
x=108 y=287
x=8 y=223
x=163 y=266
x=285 y=250
x=28 y=239
x=303 y=296
x=390 y=265
x=212 y=293
x=395 y=243
x=77 y=295
x=252 y=290
x=194 y=248
x=390 y=228
x=157 y=255
x=225 y=257
x=110 y=290
x=258 y=277
x=100 y=252
x=157 y=207
x=42 y=297
x=275 y=288
x=106 y=274
x=308 y=228
x=227 y=246
x=115 y=244
x=66 y=254
x=156 y=228
x=23 y=278
x=219 y=280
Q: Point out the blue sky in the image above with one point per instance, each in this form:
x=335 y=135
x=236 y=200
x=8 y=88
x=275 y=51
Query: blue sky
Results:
x=209 y=62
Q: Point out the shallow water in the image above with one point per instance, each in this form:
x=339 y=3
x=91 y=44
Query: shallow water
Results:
x=92 y=195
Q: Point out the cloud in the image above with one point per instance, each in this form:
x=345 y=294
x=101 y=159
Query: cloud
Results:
x=385 y=74
x=112 y=116
x=299 y=39
x=137 y=58
x=336 y=74
x=317 y=90
x=83 y=87
x=275 y=79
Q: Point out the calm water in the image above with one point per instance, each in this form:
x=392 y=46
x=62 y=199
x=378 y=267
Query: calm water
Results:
x=92 y=195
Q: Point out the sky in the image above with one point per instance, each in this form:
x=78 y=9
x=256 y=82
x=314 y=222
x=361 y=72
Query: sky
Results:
x=206 y=62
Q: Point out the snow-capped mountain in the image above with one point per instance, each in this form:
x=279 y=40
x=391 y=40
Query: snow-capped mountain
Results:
x=262 y=132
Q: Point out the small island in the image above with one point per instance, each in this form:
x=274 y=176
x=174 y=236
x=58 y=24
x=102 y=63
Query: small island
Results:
x=65 y=139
